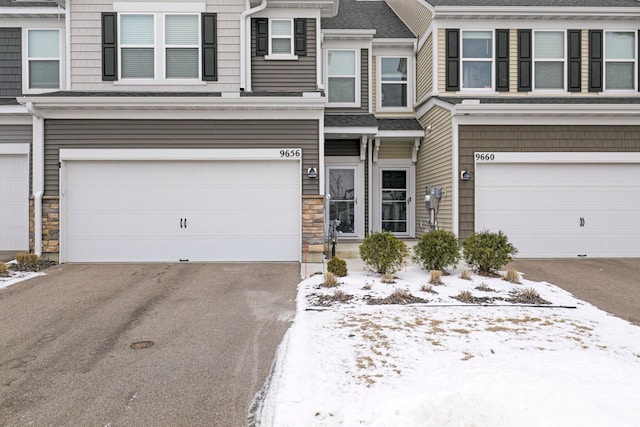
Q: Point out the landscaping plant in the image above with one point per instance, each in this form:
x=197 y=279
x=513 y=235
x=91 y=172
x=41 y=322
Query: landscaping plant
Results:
x=437 y=250
x=337 y=266
x=488 y=252
x=4 y=269
x=382 y=252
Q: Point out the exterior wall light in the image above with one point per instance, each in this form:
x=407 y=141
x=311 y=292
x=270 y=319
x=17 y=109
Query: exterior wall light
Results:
x=465 y=175
x=312 y=173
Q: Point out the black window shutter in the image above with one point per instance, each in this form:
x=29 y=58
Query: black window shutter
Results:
x=575 y=60
x=453 y=60
x=209 y=47
x=502 y=60
x=524 y=60
x=109 y=46
x=262 y=36
x=595 y=61
x=300 y=30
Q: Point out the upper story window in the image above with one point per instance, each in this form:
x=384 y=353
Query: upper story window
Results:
x=620 y=60
x=159 y=46
x=477 y=59
x=43 y=59
x=281 y=37
x=342 y=78
x=394 y=81
x=549 y=60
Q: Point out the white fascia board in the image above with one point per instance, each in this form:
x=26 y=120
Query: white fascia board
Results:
x=494 y=12
x=400 y=134
x=13 y=109
x=14 y=148
x=37 y=12
x=402 y=43
x=338 y=130
x=155 y=7
x=547 y=110
x=330 y=34
x=564 y=157
x=288 y=13
x=328 y=8
x=433 y=102
x=178 y=154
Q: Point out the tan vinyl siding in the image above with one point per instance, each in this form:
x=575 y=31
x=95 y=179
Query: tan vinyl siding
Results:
x=424 y=72
x=442 y=57
x=293 y=76
x=86 y=49
x=395 y=150
x=364 y=88
x=534 y=139
x=414 y=14
x=434 y=168
x=585 y=62
x=513 y=61
x=186 y=134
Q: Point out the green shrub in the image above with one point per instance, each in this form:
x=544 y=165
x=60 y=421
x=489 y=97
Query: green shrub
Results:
x=488 y=252
x=382 y=252
x=436 y=250
x=26 y=260
x=337 y=266
x=4 y=269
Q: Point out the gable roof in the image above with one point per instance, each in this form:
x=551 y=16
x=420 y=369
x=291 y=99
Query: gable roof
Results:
x=537 y=3
x=368 y=15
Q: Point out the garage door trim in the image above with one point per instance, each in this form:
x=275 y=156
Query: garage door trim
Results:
x=556 y=157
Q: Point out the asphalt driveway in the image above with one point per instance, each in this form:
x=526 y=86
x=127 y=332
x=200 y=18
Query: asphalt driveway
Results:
x=612 y=285
x=65 y=343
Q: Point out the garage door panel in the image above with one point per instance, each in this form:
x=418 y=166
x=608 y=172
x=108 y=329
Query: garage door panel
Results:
x=14 y=202
x=125 y=211
x=541 y=207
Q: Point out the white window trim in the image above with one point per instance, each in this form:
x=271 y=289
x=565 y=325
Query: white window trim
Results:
x=536 y=60
x=408 y=82
x=25 y=61
x=492 y=60
x=281 y=56
x=634 y=61
x=352 y=162
x=358 y=79
x=159 y=52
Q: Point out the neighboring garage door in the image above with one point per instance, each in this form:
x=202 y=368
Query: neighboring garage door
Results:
x=211 y=209
x=14 y=197
x=572 y=207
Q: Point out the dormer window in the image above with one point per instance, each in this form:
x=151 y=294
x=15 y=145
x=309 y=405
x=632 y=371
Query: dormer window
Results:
x=477 y=59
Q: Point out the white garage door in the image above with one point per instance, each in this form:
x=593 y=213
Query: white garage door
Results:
x=167 y=210
x=562 y=210
x=14 y=197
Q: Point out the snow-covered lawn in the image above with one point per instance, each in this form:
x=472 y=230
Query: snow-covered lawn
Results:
x=16 y=277
x=445 y=363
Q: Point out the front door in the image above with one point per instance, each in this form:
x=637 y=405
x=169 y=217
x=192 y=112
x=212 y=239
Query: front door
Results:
x=341 y=186
x=395 y=199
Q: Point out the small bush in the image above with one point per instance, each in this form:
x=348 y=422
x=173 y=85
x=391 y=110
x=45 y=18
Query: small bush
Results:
x=427 y=288
x=437 y=250
x=436 y=277
x=487 y=252
x=383 y=252
x=464 y=296
x=26 y=260
x=529 y=294
x=512 y=276
x=388 y=278
x=4 y=269
x=337 y=266
x=330 y=280
x=483 y=287
x=466 y=275
x=340 y=296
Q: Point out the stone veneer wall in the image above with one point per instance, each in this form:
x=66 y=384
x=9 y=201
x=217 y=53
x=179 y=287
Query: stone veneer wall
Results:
x=312 y=227
x=50 y=225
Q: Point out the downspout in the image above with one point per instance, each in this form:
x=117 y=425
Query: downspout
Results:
x=38 y=176
x=245 y=59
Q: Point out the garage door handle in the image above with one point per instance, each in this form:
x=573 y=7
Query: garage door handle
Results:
x=581 y=222
x=185 y=223
x=180 y=222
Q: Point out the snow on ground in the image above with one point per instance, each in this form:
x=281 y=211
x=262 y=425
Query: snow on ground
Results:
x=445 y=363
x=17 y=276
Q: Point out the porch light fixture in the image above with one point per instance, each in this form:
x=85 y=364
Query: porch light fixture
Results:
x=465 y=175
x=312 y=173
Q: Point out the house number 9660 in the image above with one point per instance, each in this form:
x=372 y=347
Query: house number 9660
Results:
x=290 y=153
x=485 y=156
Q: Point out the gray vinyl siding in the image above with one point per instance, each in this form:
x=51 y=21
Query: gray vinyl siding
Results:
x=364 y=88
x=533 y=139
x=18 y=134
x=288 y=76
x=185 y=134
x=434 y=168
x=10 y=61
x=342 y=147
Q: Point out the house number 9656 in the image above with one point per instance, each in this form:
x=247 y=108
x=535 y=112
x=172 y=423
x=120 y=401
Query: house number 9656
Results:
x=485 y=156
x=290 y=153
